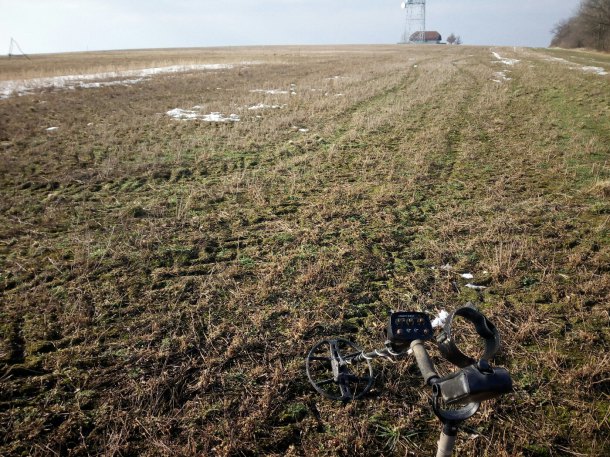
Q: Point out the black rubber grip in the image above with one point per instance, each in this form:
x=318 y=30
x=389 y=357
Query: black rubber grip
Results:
x=424 y=363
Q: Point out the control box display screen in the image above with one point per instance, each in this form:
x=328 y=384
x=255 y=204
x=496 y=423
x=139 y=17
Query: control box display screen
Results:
x=406 y=326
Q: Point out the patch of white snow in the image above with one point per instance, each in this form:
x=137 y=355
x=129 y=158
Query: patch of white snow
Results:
x=504 y=60
x=218 y=117
x=263 y=106
x=439 y=321
x=191 y=115
x=556 y=59
x=271 y=91
x=178 y=113
x=501 y=77
x=587 y=69
x=127 y=77
x=597 y=70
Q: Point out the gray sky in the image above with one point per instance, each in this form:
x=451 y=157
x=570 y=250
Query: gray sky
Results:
x=78 y=25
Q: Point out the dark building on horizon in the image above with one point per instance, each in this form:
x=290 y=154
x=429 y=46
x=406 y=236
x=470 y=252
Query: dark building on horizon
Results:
x=426 y=37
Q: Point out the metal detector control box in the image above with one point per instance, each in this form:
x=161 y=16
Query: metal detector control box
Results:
x=406 y=326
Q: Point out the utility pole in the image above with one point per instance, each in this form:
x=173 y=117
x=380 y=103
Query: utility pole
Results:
x=13 y=45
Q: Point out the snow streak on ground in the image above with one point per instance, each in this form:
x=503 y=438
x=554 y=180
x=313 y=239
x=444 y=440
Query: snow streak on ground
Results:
x=597 y=70
x=501 y=75
x=291 y=91
x=114 y=78
x=271 y=91
x=196 y=114
x=505 y=60
x=263 y=106
x=557 y=59
x=587 y=69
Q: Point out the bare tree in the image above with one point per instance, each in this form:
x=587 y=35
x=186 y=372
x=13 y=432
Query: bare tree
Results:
x=590 y=27
x=596 y=14
x=451 y=39
x=568 y=34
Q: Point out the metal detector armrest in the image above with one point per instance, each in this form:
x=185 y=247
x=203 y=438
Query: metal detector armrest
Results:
x=474 y=383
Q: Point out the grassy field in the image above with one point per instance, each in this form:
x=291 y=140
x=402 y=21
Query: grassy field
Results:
x=162 y=280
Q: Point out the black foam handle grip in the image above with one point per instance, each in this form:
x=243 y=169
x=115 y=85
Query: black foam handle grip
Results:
x=424 y=363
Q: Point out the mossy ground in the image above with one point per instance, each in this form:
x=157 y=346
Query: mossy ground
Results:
x=161 y=280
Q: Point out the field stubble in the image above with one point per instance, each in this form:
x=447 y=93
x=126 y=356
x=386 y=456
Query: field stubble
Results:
x=162 y=280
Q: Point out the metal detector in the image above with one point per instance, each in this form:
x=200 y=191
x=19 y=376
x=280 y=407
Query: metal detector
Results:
x=340 y=370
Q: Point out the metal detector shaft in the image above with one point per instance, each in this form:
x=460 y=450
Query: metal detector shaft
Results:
x=446 y=442
x=445 y=445
x=377 y=353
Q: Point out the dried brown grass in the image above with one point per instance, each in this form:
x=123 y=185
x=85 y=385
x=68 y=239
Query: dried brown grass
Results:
x=163 y=280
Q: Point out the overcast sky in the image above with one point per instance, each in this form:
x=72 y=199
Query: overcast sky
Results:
x=78 y=25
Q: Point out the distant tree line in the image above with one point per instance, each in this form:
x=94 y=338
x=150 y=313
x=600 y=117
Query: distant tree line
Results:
x=588 y=28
